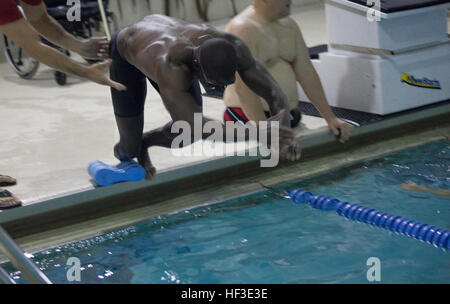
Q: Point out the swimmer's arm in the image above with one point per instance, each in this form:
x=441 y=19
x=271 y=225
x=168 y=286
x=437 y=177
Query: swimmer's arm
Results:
x=250 y=102
x=23 y=34
x=174 y=83
x=47 y=26
x=256 y=77
x=180 y=104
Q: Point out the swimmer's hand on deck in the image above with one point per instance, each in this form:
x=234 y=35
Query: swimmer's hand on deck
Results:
x=289 y=147
x=96 y=48
x=96 y=74
x=340 y=128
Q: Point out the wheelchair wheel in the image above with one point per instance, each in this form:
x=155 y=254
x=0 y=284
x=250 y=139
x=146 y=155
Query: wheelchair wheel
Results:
x=24 y=66
x=61 y=78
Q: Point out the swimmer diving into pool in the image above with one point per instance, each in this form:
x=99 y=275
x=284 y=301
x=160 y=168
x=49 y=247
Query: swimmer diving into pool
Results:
x=174 y=56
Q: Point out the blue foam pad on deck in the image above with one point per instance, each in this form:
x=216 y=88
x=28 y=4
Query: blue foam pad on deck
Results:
x=105 y=175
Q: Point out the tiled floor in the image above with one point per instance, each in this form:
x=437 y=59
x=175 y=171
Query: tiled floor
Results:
x=49 y=133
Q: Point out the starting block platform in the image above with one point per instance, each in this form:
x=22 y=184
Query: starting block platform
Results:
x=386 y=58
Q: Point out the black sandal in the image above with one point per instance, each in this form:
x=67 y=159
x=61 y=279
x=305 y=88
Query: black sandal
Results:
x=5 y=184
x=5 y=193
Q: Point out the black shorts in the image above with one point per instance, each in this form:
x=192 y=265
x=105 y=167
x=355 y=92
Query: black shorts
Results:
x=131 y=102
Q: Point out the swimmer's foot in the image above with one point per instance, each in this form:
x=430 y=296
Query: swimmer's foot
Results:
x=144 y=161
x=7 y=181
x=8 y=200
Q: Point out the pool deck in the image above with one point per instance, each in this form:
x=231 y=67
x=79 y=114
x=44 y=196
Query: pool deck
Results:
x=58 y=131
x=49 y=133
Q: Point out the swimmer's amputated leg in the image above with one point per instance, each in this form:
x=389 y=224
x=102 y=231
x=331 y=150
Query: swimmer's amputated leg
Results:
x=159 y=137
x=163 y=137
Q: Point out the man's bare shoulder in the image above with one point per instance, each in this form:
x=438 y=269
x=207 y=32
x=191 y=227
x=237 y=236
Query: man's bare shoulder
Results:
x=242 y=24
x=290 y=23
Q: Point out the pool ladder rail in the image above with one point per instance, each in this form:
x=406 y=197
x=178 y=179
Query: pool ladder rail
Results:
x=440 y=238
x=18 y=258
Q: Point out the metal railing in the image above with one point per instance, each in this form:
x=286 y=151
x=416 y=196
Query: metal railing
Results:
x=17 y=257
x=5 y=278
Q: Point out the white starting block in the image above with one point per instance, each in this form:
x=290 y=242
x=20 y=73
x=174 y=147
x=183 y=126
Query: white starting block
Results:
x=385 y=59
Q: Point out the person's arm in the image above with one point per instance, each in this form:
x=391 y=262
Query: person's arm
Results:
x=26 y=37
x=250 y=102
x=47 y=26
x=257 y=78
x=310 y=81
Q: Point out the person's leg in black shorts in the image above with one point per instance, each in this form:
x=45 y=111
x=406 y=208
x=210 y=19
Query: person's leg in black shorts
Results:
x=128 y=106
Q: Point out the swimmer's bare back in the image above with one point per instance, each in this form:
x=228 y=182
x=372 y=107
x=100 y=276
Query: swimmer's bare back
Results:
x=156 y=45
x=163 y=49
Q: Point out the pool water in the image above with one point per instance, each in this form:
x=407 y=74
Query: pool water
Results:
x=261 y=238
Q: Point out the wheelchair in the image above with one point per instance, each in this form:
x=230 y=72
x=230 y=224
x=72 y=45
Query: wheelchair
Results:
x=90 y=25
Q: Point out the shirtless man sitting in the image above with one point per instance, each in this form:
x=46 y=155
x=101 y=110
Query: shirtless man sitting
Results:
x=275 y=39
x=174 y=56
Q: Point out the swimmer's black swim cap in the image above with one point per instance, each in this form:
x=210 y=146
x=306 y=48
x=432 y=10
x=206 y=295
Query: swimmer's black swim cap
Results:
x=218 y=59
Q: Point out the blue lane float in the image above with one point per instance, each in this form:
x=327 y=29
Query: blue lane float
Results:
x=420 y=231
x=105 y=175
